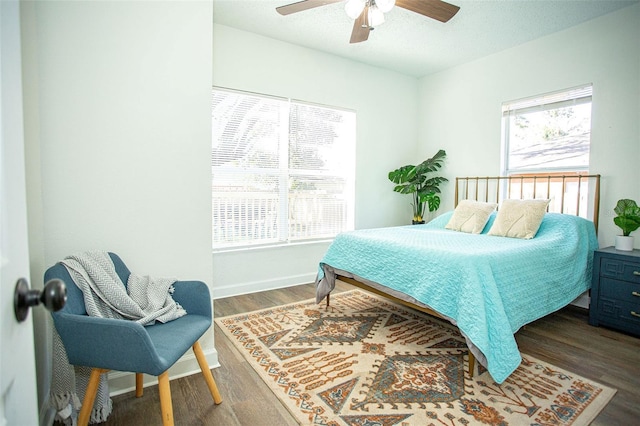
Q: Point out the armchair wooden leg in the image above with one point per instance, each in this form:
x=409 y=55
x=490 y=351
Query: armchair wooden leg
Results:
x=206 y=372
x=139 y=385
x=90 y=396
x=166 y=407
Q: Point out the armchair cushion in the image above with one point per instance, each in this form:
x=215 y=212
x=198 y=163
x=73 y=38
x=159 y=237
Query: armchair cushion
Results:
x=124 y=345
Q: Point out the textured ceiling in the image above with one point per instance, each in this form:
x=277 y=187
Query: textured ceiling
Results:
x=411 y=43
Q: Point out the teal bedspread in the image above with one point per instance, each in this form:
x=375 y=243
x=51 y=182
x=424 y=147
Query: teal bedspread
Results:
x=489 y=286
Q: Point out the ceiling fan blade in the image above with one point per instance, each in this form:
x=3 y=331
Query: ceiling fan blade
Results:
x=360 y=28
x=436 y=9
x=303 y=5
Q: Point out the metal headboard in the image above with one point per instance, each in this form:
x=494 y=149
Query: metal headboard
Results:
x=577 y=194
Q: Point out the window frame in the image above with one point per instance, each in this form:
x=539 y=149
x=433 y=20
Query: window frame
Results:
x=577 y=95
x=284 y=231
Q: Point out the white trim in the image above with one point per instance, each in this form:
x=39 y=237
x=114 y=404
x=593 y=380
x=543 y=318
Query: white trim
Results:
x=281 y=98
x=256 y=247
x=550 y=100
x=257 y=286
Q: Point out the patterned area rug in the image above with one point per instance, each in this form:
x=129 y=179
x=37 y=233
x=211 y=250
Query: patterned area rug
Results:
x=369 y=361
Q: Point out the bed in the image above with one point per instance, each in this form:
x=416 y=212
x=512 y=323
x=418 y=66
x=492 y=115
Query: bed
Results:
x=488 y=285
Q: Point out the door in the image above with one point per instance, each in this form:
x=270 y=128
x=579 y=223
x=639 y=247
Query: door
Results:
x=18 y=395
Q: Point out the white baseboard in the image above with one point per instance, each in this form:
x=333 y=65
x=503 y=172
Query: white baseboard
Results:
x=256 y=286
x=122 y=382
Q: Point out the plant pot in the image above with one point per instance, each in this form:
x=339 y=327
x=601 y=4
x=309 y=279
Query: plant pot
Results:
x=624 y=243
x=417 y=222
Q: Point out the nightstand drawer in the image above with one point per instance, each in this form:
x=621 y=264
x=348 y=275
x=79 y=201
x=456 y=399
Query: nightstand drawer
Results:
x=620 y=269
x=621 y=290
x=621 y=315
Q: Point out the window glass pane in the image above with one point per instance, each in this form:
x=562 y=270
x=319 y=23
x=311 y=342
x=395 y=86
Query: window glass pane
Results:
x=245 y=208
x=321 y=167
x=550 y=138
x=246 y=130
x=320 y=138
x=566 y=192
x=548 y=133
x=318 y=206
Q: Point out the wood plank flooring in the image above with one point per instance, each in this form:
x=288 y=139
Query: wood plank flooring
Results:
x=563 y=339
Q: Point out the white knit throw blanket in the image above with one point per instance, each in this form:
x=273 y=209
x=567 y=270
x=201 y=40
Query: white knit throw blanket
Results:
x=144 y=300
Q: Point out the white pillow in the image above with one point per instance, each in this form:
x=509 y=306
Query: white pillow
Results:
x=470 y=216
x=519 y=218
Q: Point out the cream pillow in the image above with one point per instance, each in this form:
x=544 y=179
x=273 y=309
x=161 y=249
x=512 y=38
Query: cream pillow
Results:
x=519 y=218
x=470 y=216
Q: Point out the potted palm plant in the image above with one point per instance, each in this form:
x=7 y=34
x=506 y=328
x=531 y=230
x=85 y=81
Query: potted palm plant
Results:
x=627 y=219
x=415 y=180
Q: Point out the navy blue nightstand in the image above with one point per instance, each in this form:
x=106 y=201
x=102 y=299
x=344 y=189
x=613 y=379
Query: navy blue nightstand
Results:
x=615 y=290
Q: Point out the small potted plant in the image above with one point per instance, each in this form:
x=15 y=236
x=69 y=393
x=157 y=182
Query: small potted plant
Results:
x=415 y=180
x=627 y=219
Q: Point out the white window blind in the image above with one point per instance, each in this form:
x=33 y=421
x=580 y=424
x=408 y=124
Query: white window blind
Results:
x=550 y=132
x=282 y=170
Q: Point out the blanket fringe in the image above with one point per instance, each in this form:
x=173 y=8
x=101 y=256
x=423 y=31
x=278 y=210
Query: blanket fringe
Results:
x=66 y=405
x=99 y=415
x=63 y=399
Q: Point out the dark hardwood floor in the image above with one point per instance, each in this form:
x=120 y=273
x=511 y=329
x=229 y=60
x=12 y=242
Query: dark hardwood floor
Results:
x=563 y=339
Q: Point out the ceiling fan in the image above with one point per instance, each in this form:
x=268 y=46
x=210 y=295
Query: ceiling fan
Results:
x=368 y=14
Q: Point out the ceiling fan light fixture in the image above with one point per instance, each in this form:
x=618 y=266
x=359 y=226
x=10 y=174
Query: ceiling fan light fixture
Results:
x=354 y=8
x=375 y=16
x=385 y=5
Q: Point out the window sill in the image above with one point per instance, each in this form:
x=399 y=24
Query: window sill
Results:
x=264 y=247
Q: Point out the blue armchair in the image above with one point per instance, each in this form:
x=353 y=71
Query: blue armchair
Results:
x=112 y=344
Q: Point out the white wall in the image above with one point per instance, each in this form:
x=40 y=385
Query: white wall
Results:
x=386 y=106
x=117 y=105
x=460 y=107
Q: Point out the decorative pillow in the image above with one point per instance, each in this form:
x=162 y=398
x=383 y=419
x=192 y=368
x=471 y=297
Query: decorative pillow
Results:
x=470 y=216
x=519 y=218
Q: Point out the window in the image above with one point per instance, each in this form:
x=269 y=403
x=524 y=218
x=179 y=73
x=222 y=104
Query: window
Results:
x=549 y=134
x=283 y=170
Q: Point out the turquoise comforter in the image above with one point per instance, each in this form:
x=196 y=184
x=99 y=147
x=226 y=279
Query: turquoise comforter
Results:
x=489 y=286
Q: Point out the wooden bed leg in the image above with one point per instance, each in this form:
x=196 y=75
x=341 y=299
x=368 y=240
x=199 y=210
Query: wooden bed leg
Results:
x=472 y=364
x=328 y=296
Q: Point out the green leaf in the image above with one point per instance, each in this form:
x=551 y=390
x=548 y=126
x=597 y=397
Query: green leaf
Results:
x=403 y=174
x=415 y=180
x=432 y=200
x=628 y=218
x=626 y=207
x=628 y=225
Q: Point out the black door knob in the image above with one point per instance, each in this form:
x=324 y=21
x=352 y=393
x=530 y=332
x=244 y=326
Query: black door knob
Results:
x=53 y=297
